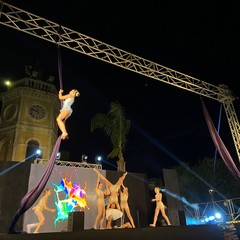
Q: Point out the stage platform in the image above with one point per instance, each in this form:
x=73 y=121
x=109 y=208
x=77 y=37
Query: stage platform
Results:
x=202 y=232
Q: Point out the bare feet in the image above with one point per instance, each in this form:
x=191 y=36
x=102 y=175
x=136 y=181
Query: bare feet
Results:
x=128 y=225
x=152 y=225
x=28 y=228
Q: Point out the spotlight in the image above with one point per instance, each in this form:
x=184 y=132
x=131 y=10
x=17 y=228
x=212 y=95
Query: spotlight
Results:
x=98 y=159
x=211 y=218
x=58 y=156
x=38 y=152
x=84 y=158
x=218 y=215
x=211 y=191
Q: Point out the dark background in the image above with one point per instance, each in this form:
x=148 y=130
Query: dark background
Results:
x=197 y=38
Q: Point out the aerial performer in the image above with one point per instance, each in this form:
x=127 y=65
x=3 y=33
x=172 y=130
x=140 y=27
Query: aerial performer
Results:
x=38 y=210
x=66 y=110
x=159 y=207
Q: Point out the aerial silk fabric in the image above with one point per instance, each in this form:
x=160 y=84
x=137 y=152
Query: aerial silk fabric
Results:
x=31 y=197
x=222 y=150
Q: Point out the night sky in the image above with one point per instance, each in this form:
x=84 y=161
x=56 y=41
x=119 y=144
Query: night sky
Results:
x=197 y=38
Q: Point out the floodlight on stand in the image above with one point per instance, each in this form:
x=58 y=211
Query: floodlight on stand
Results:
x=84 y=158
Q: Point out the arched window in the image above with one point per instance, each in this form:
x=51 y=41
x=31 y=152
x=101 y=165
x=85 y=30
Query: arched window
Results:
x=32 y=147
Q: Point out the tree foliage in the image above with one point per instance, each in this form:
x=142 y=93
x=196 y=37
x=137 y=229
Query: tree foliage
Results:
x=195 y=182
x=116 y=127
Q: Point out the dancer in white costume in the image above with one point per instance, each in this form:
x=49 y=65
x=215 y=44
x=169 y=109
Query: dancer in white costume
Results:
x=66 y=110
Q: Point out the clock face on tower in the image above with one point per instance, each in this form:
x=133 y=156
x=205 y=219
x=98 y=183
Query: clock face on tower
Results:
x=37 y=112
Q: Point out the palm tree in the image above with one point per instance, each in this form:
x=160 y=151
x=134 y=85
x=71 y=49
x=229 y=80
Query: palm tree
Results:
x=115 y=126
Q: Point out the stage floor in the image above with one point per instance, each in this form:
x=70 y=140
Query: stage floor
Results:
x=202 y=232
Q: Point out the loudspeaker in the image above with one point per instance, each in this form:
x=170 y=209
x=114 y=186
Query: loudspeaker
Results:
x=176 y=217
x=75 y=221
x=182 y=218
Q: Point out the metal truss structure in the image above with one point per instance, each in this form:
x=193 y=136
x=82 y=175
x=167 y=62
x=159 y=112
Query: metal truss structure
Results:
x=228 y=208
x=69 y=164
x=37 y=26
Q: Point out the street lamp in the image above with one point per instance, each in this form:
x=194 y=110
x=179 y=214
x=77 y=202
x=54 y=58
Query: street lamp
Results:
x=8 y=84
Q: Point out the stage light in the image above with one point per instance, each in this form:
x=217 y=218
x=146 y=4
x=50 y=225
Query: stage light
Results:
x=206 y=219
x=84 y=158
x=58 y=156
x=38 y=152
x=211 y=191
x=211 y=218
x=98 y=159
x=218 y=215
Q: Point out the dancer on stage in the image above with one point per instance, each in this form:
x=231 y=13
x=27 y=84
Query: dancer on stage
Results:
x=113 y=188
x=114 y=218
x=124 y=204
x=38 y=209
x=159 y=207
x=100 y=204
x=66 y=110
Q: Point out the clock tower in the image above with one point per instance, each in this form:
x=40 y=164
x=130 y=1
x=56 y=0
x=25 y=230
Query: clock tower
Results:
x=28 y=120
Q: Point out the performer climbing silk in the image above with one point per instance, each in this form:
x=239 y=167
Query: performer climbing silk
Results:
x=66 y=110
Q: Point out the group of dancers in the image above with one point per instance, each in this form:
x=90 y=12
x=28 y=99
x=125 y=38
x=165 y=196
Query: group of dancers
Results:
x=112 y=191
x=118 y=189
x=115 y=208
